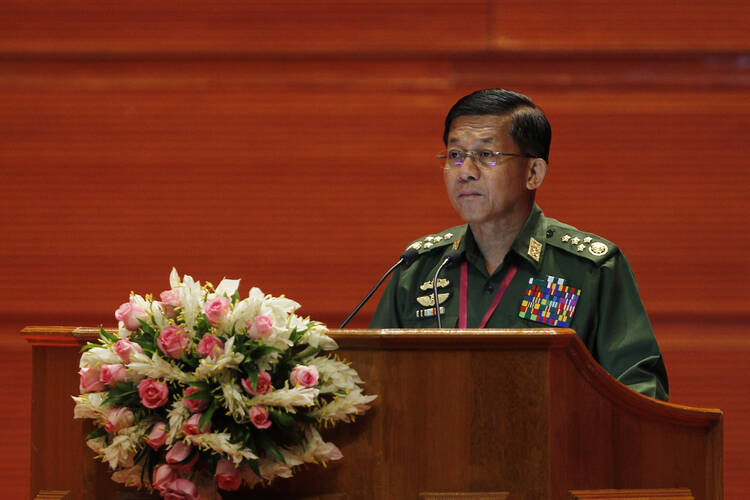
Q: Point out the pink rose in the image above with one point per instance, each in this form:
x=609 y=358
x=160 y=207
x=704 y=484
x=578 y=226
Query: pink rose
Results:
x=191 y=426
x=170 y=297
x=194 y=405
x=119 y=418
x=181 y=489
x=158 y=435
x=261 y=328
x=306 y=376
x=112 y=374
x=259 y=417
x=124 y=348
x=153 y=393
x=129 y=314
x=90 y=380
x=209 y=346
x=169 y=300
x=216 y=309
x=264 y=384
x=227 y=475
x=179 y=453
x=173 y=341
x=163 y=475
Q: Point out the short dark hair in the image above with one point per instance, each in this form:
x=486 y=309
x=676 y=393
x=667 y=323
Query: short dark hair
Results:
x=530 y=130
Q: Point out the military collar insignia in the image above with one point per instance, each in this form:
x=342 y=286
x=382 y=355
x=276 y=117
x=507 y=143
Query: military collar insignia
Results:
x=535 y=249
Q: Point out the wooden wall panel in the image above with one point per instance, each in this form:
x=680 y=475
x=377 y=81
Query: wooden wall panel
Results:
x=290 y=144
x=242 y=27
x=601 y=26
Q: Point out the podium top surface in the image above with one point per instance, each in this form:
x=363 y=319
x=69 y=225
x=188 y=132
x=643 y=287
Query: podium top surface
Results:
x=561 y=340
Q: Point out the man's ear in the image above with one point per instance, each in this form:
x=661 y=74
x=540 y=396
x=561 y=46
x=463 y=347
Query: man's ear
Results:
x=537 y=171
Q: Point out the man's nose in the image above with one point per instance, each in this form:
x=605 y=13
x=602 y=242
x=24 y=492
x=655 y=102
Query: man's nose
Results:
x=468 y=169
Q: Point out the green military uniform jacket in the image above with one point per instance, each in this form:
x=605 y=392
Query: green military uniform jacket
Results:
x=609 y=316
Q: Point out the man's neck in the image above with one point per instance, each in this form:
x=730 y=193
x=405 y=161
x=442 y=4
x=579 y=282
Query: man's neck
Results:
x=494 y=238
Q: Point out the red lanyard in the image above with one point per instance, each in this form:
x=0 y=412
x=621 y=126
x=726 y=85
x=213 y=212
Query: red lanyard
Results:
x=463 y=314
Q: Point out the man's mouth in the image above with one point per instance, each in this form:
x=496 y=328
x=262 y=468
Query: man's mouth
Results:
x=468 y=194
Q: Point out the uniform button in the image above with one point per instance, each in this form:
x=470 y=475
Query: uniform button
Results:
x=489 y=289
x=550 y=232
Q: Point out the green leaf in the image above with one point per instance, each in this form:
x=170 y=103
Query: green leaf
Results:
x=200 y=385
x=297 y=334
x=267 y=444
x=253 y=464
x=252 y=374
x=97 y=433
x=282 y=418
x=146 y=327
x=89 y=346
x=262 y=351
x=122 y=394
x=206 y=417
x=236 y=297
x=200 y=396
x=107 y=337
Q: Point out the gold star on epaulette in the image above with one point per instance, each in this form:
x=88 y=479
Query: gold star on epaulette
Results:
x=587 y=239
x=416 y=245
x=581 y=248
x=575 y=240
x=428 y=245
x=566 y=238
x=448 y=235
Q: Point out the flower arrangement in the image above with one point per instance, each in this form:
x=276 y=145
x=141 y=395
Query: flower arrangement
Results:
x=201 y=391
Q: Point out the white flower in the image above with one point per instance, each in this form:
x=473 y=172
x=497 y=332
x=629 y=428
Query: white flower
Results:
x=317 y=450
x=123 y=332
x=270 y=469
x=316 y=337
x=249 y=477
x=97 y=444
x=174 y=279
x=120 y=452
x=219 y=442
x=344 y=408
x=90 y=405
x=226 y=360
x=234 y=400
x=335 y=375
x=227 y=288
x=97 y=356
x=287 y=398
x=130 y=476
x=154 y=367
x=191 y=298
x=176 y=417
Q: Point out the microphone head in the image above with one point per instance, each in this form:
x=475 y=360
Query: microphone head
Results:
x=409 y=256
x=453 y=256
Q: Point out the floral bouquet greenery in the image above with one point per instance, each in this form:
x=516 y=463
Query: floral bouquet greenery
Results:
x=201 y=391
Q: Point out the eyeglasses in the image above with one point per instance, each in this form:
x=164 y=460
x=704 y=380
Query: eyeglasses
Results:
x=453 y=158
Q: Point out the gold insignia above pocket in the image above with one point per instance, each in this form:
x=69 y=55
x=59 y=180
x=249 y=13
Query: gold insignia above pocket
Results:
x=429 y=300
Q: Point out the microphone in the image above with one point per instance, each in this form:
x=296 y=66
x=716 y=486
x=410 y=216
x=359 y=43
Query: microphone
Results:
x=406 y=259
x=451 y=257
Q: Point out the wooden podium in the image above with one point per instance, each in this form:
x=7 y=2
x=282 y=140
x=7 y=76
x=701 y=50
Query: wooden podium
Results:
x=517 y=414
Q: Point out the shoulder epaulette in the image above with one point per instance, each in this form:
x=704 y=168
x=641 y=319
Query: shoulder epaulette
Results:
x=431 y=242
x=585 y=245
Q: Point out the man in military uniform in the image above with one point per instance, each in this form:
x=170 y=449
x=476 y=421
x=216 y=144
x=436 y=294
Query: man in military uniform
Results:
x=519 y=268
